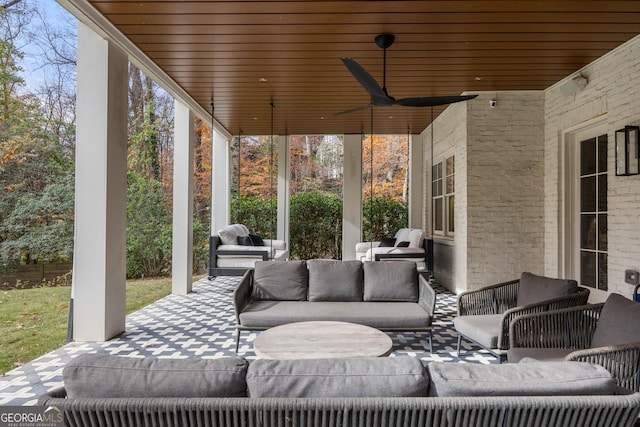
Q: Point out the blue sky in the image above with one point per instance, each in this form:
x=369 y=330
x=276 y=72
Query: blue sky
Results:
x=32 y=73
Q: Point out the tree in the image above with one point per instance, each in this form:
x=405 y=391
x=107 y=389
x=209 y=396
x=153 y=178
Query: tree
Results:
x=390 y=160
x=148 y=227
x=36 y=210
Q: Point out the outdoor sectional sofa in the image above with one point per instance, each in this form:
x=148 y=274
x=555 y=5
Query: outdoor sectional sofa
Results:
x=104 y=390
x=386 y=296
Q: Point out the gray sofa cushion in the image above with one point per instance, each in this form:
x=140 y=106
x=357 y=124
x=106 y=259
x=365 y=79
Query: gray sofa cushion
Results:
x=482 y=328
x=331 y=280
x=534 y=289
x=618 y=322
x=520 y=379
x=358 y=377
x=280 y=281
x=518 y=354
x=390 y=281
x=99 y=376
x=381 y=315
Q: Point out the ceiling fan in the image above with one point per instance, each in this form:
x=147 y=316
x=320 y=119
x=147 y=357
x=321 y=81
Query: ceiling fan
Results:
x=379 y=95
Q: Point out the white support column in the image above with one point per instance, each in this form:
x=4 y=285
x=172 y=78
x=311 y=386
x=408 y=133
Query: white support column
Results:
x=183 y=168
x=220 y=178
x=352 y=195
x=416 y=168
x=284 y=179
x=99 y=263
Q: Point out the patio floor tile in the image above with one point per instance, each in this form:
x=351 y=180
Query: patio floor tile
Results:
x=202 y=325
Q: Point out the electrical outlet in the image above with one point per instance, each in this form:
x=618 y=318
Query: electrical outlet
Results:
x=631 y=277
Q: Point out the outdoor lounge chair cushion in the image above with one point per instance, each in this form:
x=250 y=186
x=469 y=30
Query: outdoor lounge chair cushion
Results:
x=101 y=376
x=534 y=289
x=281 y=281
x=357 y=377
x=377 y=276
x=618 y=322
x=520 y=379
x=331 y=280
x=482 y=328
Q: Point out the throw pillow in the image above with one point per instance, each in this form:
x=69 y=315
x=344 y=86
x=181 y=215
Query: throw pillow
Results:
x=280 y=281
x=104 y=376
x=331 y=280
x=387 y=242
x=357 y=377
x=618 y=322
x=534 y=289
x=229 y=234
x=403 y=244
x=256 y=240
x=390 y=281
x=245 y=241
x=402 y=234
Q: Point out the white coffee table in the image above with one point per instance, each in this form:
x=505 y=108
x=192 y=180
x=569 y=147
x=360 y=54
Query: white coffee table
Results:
x=320 y=340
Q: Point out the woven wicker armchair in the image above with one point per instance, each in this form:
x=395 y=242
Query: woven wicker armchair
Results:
x=484 y=315
x=568 y=334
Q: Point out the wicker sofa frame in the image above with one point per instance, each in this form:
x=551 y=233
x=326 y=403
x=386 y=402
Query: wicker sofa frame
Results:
x=573 y=328
x=531 y=411
x=502 y=299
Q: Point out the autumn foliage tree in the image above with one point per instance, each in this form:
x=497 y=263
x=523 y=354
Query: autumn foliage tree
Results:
x=36 y=160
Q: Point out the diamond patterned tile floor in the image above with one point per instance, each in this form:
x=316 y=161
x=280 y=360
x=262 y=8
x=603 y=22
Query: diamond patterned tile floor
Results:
x=202 y=325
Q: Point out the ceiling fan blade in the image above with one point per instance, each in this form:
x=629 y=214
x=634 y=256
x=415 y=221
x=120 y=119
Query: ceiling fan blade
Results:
x=367 y=82
x=432 y=101
x=362 y=107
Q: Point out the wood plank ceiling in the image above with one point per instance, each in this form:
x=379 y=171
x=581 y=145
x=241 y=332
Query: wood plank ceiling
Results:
x=244 y=55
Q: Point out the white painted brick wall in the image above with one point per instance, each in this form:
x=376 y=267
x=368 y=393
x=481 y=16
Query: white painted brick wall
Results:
x=511 y=172
x=505 y=149
x=613 y=94
x=499 y=199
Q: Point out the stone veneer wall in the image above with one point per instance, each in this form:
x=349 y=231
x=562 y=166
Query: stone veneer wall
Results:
x=612 y=97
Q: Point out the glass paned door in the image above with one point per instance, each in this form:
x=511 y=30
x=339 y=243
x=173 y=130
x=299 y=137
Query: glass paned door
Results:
x=593 y=212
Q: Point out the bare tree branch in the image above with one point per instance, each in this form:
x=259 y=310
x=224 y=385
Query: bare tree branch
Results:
x=8 y=5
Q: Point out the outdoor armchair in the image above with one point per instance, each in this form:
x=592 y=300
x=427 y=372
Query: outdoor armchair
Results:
x=234 y=250
x=484 y=315
x=606 y=334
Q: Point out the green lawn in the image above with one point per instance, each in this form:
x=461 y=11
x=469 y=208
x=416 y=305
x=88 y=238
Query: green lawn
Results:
x=33 y=322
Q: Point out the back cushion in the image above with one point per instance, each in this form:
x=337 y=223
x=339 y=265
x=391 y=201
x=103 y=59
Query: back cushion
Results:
x=358 y=377
x=229 y=234
x=534 y=289
x=390 y=281
x=415 y=238
x=520 y=379
x=280 y=280
x=100 y=376
x=618 y=322
x=335 y=280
